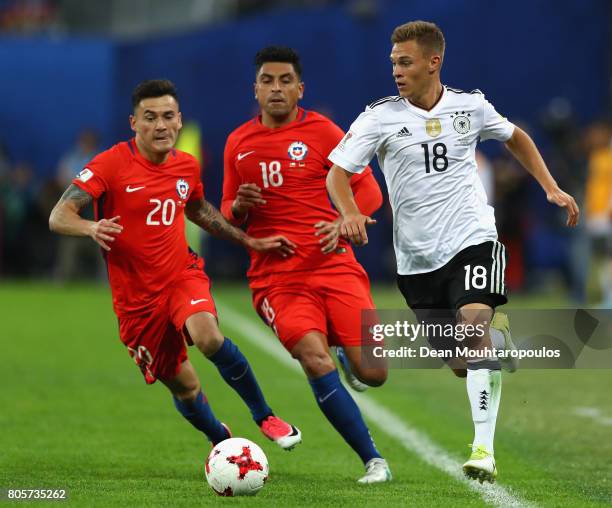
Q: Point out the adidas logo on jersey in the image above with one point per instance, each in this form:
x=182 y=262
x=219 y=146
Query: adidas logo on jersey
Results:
x=404 y=133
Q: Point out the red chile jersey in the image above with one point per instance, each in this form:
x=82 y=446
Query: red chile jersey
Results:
x=290 y=166
x=151 y=251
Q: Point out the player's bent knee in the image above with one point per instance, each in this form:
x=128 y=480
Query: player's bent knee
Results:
x=184 y=390
x=376 y=377
x=209 y=344
x=188 y=394
x=315 y=364
x=371 y=377
x=208 y=340
x=474 y=314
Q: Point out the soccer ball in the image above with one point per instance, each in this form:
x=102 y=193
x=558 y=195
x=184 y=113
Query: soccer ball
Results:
x=236 y=467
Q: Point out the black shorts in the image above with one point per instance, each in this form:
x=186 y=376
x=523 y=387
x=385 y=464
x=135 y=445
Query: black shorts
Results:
x=474 y=275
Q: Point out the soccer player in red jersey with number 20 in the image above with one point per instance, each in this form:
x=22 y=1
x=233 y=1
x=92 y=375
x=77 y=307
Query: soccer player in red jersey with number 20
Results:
x=142 y=189
x=274 y=181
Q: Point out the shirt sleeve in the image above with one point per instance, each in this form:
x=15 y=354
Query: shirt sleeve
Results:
x=231 y=182
x=366 y=191
x=358 y=147
x=326 y=135
x=365 y=188
x=198 y=191
x=495 y=126
x=94 y=178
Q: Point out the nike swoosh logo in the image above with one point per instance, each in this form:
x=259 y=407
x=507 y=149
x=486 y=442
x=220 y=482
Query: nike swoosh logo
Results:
x=323 y=399
x=243 y=155
x=241 y=375
x=193 y=302
x=133 y=189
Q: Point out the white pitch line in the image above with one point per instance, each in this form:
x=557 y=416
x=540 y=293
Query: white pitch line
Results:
x=593 y=413
x=412 y=439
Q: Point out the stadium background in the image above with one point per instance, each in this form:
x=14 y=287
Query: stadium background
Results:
x=69 y=67
x=74 y=411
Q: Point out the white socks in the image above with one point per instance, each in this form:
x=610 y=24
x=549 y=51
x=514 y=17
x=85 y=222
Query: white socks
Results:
x=484 y=391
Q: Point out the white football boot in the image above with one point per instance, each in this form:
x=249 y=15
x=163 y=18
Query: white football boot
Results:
x=481 y=466
x=377 y=471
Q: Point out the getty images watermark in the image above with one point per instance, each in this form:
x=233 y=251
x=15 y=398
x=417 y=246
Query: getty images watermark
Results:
x=461 y=333
x=429 y=338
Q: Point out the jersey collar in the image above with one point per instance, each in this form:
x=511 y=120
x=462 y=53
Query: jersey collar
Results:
x=433 y=109
x=136 y=153
x=301 y=116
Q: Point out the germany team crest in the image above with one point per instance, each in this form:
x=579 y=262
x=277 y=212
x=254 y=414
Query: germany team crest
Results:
x=433 y=127
x=461 y=122
x=182 y=188
x=297 y=151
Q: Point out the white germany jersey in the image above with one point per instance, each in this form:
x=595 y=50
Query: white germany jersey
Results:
x=428 y=159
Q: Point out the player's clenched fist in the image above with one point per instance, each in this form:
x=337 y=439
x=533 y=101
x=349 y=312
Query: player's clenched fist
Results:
x=354 y=228
x=277 y=243
x=247 y=196
x=103 y=231
x=564 y=200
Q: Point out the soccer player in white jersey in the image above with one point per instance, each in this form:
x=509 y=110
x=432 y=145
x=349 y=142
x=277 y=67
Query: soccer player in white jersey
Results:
x=444 y=234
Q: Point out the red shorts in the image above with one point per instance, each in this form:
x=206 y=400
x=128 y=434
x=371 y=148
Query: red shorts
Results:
x=323 y=301
x=156 y=340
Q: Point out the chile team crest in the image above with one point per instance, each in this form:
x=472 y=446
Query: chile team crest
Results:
x=182 y=188
x=298 y=151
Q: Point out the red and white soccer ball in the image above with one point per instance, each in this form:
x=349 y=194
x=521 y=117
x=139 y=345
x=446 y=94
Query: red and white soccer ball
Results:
x=236 y=467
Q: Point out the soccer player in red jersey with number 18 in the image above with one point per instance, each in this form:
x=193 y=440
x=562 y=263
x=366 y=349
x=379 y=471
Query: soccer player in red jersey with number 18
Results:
x=142 y=189
x=274 y=181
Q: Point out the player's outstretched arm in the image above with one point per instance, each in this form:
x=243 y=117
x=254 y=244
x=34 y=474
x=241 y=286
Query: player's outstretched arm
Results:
x=368 y=198
x=205 y=215
x=353 y=221
x=65 y=219
x=525 y=151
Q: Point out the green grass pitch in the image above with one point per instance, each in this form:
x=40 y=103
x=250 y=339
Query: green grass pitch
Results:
x=76 y=414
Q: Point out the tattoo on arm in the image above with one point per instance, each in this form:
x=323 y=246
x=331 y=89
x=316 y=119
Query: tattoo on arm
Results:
x=78 y=196
x=209 y=218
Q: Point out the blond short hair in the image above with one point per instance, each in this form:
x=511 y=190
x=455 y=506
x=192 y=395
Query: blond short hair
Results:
x=427 y=35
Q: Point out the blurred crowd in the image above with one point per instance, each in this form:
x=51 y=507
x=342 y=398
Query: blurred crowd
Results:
x=27 y=247
x=542 y=252
x=28 y=17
